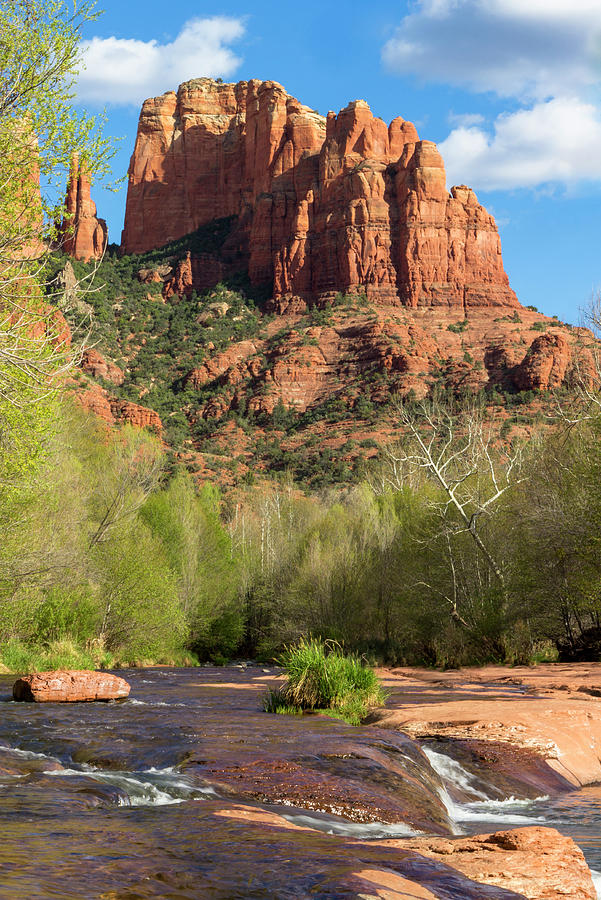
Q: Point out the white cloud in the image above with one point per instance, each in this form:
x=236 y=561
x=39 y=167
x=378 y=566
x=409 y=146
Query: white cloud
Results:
x=466 y=120
x=126 y=71
x=544 y=53
x=554 y=141
x=532 y=49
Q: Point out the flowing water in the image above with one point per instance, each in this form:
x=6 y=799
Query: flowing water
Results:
x=577 y=813
x=172 y=793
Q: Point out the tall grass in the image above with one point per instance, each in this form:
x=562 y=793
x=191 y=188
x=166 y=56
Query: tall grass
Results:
x=321 y=677
x=20 y=658
x=17 y=657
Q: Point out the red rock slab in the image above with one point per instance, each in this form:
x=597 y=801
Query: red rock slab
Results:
x=538 y=863
x=70 y=687
x=554 y=716
x=534 y=863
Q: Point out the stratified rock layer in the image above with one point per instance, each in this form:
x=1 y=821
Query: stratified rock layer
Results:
x=320 y=206
x=83 y=234
x=111 y=409
x=70 y=686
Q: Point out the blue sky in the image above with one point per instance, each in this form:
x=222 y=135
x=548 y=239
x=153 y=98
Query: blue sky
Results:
x=509 y=89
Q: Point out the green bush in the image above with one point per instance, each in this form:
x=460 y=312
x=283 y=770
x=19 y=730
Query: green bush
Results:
x=66 y=614
x=321 y=677
x=457 y=327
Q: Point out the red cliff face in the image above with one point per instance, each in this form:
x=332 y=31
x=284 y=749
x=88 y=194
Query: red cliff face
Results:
x=83 y=235
x=321 y=206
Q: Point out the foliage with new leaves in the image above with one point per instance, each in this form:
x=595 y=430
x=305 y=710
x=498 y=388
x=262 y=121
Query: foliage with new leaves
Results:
x=106 y=552
x=39 y=132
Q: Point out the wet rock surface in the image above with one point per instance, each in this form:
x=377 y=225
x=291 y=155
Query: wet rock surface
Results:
x=187 y=789
x=552 y=711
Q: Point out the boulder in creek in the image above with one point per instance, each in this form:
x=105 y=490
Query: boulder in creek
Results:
x=70 y=686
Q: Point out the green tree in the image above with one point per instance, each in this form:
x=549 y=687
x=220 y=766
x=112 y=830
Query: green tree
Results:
x=39 y=132
x=199 y=552
x=141 y=613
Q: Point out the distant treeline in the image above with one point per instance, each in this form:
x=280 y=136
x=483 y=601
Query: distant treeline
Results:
x=456 y=549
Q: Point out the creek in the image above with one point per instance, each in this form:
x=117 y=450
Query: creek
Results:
x=169 y=793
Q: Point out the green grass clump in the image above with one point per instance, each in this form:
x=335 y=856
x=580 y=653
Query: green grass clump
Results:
x=322 y=678
x=275 y=702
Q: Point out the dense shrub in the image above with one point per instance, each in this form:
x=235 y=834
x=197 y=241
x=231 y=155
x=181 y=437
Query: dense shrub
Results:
x=321 y=676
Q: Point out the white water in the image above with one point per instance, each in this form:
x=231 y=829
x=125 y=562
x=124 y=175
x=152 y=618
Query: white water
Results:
x=150 y=787
x=28 y=754
x=506 y=813
x=359 y=830
x=452 y=772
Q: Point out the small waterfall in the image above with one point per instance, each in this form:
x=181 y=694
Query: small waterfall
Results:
x=479 y=806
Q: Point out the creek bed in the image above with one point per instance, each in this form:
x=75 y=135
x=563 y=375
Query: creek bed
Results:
x=169 y=794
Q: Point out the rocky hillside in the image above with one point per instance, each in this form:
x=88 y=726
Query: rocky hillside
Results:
x=283 y=278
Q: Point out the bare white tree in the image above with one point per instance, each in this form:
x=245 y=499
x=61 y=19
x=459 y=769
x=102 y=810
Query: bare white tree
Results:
x=457 y=452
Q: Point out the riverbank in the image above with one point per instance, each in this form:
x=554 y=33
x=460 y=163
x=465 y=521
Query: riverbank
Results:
x=17 y=657
x=553 y=710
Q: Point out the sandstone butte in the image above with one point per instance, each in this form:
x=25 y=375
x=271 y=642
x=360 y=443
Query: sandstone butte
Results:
x=320 y=205
x=83 y=235
x=70 y=686
x=315 y=206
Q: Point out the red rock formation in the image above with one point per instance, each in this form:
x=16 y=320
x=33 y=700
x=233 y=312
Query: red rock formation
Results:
x=84 y=236
x=97 y=366
x=140 y=416
x=344 y=205
x=154 y=276
x=545 y=363
x=535 y=862
x=112 y=410
x=70 y=686
x=181 y=282
x=95 y=399
x=46 y=322
x=229 y=361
